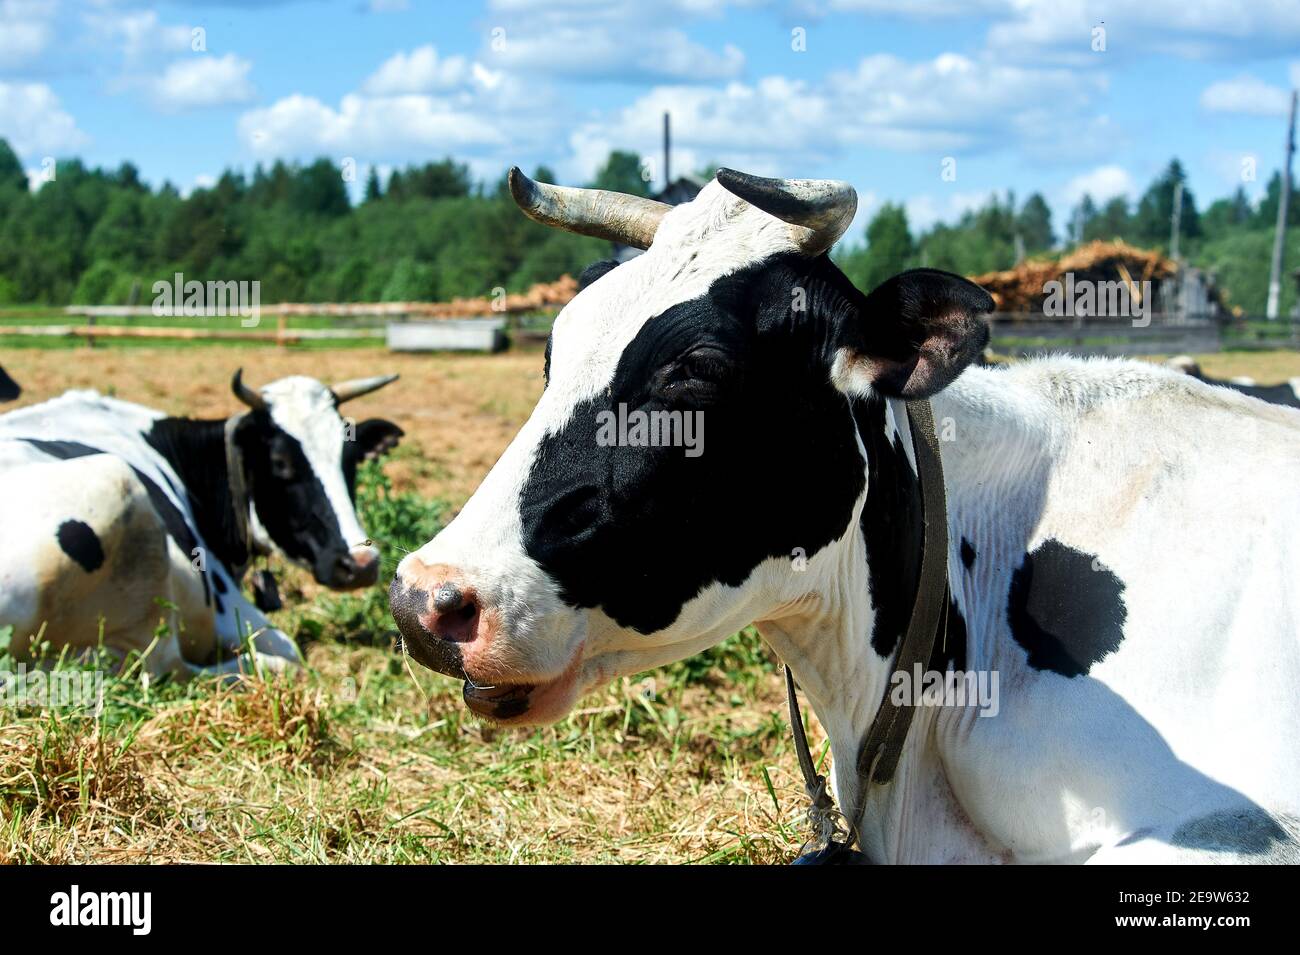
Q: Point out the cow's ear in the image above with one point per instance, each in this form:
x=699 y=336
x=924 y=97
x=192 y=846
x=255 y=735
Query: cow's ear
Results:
x=913 y=335
x=375 y=436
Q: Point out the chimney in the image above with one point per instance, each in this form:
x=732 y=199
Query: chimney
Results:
x=668 y=179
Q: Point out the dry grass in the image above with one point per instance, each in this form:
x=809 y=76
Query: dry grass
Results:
x=356 y=761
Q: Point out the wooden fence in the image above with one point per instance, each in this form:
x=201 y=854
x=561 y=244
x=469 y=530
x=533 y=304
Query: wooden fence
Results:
x=1021 y=335
x=1013 y=334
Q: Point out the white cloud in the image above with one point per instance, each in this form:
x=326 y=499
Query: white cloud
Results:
x=26 y=28
x=137 y=34
x=389 y=6
x=201 y=181
x=599 y=53
x=1197 y=30
x=36 y=178
x=1246 y=94
x=947 y=105
x=414 y=106
x=201 y=81
x=927 y=9
x=383 y=126
x=1102 y=184
x=420 y=71
x=1061 y=31
x=925 y=210
x=618 y=40
x=33 y=121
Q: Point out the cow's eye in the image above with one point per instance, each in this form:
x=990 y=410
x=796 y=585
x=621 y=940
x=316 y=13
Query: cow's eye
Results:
x=705 y=365
x=701 y=375
x=281 y=466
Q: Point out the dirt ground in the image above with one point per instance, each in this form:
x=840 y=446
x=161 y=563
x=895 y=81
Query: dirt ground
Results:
x=458 y=411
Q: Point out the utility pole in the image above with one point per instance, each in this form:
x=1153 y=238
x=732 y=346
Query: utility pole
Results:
x=1176 y=220
x=668 y=141
x=1279 y=237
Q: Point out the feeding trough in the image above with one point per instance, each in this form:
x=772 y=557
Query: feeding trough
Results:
x=453 y=334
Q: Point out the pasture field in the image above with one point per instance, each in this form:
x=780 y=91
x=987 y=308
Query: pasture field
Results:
x=362 y=758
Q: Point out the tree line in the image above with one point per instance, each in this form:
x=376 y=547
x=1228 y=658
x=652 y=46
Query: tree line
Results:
x=431 y=233
x=1232 y=238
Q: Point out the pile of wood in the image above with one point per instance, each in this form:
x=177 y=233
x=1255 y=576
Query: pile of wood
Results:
x=1023 y=288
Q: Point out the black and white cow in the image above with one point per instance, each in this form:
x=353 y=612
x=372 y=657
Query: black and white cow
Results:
x=115 y=515
x=1122 y=550
x=1287 y=394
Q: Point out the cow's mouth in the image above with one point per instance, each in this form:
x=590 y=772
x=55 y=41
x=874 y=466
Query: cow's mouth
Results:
x=500 y=702
x=540 y=702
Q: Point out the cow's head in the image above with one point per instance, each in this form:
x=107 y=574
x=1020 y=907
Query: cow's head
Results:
x=300 y=461
x=586 y=554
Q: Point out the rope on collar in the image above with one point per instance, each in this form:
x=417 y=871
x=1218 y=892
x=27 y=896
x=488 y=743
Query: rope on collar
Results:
x=238 y=490
x=883 y=745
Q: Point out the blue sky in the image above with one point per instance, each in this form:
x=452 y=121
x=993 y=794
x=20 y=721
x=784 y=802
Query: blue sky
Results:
x=1055 y=96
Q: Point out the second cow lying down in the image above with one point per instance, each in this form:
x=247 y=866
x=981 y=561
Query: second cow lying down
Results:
x=115 y=515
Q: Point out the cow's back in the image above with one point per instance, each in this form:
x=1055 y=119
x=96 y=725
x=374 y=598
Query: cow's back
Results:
x=82 y=545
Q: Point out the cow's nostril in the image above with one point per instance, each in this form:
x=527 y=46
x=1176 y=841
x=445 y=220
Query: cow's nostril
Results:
x=444 y=611
x=448 y=599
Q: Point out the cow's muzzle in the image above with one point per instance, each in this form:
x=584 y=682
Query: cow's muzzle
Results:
x=446 y=627
x=349 y=569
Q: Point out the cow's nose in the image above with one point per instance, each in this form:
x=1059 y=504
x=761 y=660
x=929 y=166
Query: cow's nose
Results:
x=358 y=567
x=437 y=614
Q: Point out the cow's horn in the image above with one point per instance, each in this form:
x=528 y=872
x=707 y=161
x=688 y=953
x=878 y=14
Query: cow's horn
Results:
x=820 y=209
x=244 y=393
x=347 y=390
x=614 y=216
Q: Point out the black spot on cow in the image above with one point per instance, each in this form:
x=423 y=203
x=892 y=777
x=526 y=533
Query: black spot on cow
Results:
x=967 y=554
x=63 y=450
x=1066 y=609
x=950 y=645
x=639 y=531
x=79 y=541
x=9 y=389
x=892 y=527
